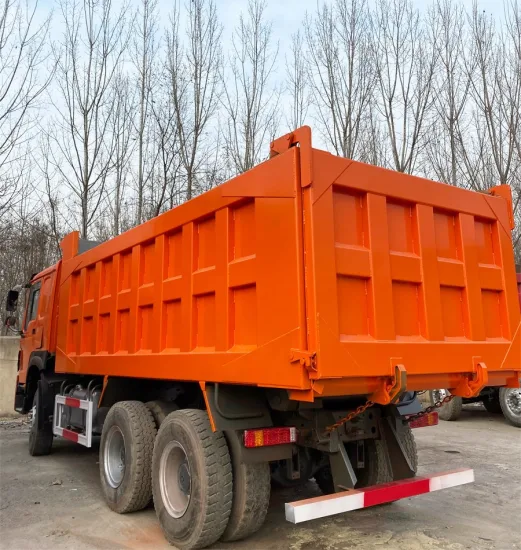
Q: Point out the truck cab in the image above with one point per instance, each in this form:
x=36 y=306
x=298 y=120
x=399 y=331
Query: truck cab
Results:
x=37 y=336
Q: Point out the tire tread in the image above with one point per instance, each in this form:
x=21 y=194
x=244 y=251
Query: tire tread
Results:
x=249 y=509
x=142 y=427
x=219 y=477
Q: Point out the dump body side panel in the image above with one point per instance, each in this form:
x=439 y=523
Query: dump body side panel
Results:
x=519 y=287
x=209 y=291
x=407 y=271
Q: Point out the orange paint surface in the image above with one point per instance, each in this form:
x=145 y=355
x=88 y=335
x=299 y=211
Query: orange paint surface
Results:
x=356 y=264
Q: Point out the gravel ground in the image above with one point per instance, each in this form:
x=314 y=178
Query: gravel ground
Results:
x=54 y=502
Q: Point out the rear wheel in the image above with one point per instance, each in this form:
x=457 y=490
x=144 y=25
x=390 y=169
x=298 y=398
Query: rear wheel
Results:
x=127 y=443
x=510 y=401
x=40 y=438
x=251 y=498
x=160 y=410
x=449 y=411
x=191 y=480
x=492 y=404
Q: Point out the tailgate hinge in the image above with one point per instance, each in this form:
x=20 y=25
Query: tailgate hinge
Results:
x=473 y=383
x=307 y=359
x=389 y=390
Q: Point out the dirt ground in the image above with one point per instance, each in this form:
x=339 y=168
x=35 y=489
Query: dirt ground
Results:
x=54 y=502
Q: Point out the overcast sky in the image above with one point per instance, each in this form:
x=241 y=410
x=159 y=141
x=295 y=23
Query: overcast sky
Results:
x=286 y=15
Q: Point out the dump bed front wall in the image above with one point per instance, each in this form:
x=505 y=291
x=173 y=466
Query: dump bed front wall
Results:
x=209 y=291
x=408 y=271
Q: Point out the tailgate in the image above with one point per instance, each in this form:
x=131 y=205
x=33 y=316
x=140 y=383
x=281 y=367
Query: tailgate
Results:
x=406 y=271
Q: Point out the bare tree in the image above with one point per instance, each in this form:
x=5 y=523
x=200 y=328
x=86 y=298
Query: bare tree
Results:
x=51 y=190
x=513 y=34
x=23 y=55
x=497 y=90
x=451 y=88
x=144 y=51
x=250 y=100
x=193 y=70
x=94 y=41
x=164 y=189
x=405 y=61
x=512 y=40
x=373 y=147
x=296 y=82
x=342 y=71
x=121 y=128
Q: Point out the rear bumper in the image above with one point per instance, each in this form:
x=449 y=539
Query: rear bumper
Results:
x=329 y=505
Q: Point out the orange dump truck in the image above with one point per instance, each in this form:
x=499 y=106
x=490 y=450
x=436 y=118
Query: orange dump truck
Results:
x=270 y=328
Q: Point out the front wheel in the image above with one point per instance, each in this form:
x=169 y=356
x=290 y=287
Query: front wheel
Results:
x=40 y=438
x=510 y=401
x=191 y=480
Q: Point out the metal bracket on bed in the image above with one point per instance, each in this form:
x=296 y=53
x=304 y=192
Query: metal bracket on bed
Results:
x=389 y=390
x=471 y=384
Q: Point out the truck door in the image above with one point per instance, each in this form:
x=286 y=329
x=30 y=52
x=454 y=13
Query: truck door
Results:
x=32 y=329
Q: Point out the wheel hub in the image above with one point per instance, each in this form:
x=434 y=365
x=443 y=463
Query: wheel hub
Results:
x=440 y=394
x=184 y=478
x=114 y=457
x=513 y=401
x=175 y=479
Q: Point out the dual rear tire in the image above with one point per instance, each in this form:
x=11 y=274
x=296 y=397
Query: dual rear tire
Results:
x=200 y=494
x=126 y=448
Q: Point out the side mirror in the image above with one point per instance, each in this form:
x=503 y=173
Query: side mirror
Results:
x=11 y=302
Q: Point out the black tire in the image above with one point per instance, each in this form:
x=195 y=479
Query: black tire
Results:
x=510 y=405
x=450 y=411
x=324 y=480
x=377 y=470
x=207 y=458
x=40 y=439
x=492 y=404
x=251 y=498
x=135 y=423
x=160 y=410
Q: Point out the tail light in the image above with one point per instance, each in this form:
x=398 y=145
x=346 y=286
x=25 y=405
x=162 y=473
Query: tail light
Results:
x=269 y=436
x=429 y=419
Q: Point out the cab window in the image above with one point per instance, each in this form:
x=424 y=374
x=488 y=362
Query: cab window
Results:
x=32 y=307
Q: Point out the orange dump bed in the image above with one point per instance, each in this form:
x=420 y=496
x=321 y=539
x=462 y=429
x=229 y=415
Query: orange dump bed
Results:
x=309 y=272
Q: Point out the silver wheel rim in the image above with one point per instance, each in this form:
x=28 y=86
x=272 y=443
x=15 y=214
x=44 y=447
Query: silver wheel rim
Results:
x=114 y=457
x=513 y=401
x=175 y=480
x=439 y=394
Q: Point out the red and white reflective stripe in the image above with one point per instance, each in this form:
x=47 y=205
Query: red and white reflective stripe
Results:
x=72 y=436
x=354 y=499
x=61 y=401
x=72 y=402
